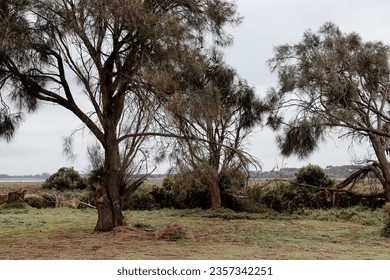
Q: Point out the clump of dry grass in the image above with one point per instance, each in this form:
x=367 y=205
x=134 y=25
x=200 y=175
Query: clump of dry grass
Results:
x=172 y=232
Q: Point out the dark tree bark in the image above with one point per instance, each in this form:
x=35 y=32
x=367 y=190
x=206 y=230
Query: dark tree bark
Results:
x=215 y=192
x=108 y=197
x=384 y=165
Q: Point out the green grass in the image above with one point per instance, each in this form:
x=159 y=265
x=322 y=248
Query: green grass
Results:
x=65 y=233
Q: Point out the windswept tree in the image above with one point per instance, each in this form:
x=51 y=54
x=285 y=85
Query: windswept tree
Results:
x=333 y=81
x=115 y=51
x=215 y=114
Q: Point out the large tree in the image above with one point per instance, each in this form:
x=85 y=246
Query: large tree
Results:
x=333 y=81
x=215 y=114
x=115 y=51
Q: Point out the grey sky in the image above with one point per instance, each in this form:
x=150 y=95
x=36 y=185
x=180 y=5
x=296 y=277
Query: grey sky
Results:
x=266 y=24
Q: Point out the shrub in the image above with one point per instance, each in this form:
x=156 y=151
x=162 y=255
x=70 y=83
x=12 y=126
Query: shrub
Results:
x=313 y=175
x=65 y=179
x=190 y=189
x=182 y=192
x=163 y=196
x=141 y=199
x=283 y=197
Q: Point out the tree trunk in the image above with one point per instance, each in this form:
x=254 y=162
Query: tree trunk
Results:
x=215 y=192
x=387 y=190
x=383 y=164
x=108 y=199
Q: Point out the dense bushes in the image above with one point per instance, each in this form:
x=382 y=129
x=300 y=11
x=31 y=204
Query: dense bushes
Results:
x=189 y=192
x=141 y=199
x=301 y=193
x=65 y=179
x=313 y=175
x=283 y=197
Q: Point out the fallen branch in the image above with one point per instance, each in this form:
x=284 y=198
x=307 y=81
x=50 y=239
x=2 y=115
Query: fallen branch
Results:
x=86 y=204
x=134 y=185
x=335 y=189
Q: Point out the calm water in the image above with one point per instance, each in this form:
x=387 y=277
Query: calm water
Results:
x=21 y=180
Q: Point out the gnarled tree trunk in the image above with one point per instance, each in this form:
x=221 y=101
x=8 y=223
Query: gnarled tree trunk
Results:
x=215 y=192
x=108 y=199
x=384 y=164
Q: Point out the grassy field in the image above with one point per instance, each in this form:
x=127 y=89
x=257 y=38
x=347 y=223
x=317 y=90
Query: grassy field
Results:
x=66 y=233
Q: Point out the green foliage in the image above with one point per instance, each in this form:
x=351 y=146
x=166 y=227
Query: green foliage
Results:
x=182 y=191
x=190 y=189
x=65 y=179
x=327 y=78
x=140 y=200
x=283 y=197
x=313 y=175
x=164 y=194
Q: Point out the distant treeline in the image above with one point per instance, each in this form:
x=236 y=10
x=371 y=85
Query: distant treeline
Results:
x=36 y=176
x=335 y=172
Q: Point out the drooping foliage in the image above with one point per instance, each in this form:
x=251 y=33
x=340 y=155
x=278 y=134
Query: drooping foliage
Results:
x=122 y=54
x=331 y=80
x=220 y=109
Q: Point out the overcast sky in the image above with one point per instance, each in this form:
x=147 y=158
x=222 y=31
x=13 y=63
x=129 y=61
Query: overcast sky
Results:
x=37 y=146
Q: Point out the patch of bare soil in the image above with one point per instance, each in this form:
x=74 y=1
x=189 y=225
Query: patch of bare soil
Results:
x=67 y=245
x=166 y=243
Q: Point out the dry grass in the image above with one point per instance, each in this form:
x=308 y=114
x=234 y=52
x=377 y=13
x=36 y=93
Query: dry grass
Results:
x=172 y=232
x=65 y=198
x=66 y=233
x=6 y=187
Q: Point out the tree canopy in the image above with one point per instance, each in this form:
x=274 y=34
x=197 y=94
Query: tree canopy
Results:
x=332 y=80
x=122 y=55
x=215 y=115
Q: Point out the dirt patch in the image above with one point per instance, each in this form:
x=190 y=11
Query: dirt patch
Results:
x=66 y=245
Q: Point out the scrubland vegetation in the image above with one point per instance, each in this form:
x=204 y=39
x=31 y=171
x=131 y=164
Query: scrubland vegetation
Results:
x=167 y=233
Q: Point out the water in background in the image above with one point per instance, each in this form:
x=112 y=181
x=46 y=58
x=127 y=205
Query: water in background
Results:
x=21 y=180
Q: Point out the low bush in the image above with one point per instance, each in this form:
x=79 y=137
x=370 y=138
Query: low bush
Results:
x=178 y=192
x=65 y=179
x=313 y=175
x=283 y=197
x=141 y=199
